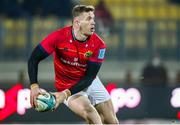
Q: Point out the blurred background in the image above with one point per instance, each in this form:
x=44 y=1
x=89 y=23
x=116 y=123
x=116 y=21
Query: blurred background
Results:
x=143 y=39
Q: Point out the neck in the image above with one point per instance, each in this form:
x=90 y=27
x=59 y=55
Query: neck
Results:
x=78 y=34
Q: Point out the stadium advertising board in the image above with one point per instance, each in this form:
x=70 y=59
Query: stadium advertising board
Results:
x=127 y=99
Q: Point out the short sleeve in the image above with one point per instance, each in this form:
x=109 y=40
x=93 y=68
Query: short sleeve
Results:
x=49 y=43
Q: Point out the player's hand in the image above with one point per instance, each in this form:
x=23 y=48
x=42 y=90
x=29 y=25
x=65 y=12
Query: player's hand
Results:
x=35 y=91
x=60 y=97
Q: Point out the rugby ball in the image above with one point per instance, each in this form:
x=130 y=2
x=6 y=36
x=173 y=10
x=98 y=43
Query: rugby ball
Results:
x=45 y=102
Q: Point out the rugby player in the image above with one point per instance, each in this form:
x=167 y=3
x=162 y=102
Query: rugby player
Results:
x=78 y=54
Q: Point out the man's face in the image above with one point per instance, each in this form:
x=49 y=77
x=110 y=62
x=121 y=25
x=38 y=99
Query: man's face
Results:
x=87 y=23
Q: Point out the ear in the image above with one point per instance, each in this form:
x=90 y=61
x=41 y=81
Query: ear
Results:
x=76 y=21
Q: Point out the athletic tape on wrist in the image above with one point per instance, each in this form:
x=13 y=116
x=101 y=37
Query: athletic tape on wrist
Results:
x=67 y=93
x=34 y=85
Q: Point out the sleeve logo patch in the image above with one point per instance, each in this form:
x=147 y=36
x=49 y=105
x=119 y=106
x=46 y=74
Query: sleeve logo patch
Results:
x=101 y=53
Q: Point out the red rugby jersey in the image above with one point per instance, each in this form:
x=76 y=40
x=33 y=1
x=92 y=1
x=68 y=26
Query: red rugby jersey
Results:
x=71 y=56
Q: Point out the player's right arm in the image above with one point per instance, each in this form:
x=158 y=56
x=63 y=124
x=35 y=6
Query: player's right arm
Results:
x=37 y=55
x=43 y=50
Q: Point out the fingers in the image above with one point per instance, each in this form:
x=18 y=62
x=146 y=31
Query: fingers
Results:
x=42 y=91
x=34 y=93
x=56 y=106
x=54 y=94
x=57 y=100
x=35 y=101
x=31 y=100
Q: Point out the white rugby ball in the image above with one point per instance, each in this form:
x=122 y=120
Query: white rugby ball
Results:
x=45 y=102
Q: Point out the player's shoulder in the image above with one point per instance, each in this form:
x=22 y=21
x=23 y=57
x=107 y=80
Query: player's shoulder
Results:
x=95 y=37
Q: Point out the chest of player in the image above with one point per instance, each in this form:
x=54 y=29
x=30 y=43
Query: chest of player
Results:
x=75 y=51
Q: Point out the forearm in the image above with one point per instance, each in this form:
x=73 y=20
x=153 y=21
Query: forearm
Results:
x=91 y=72
x=32 y=70
x=36 y=56
x=81 y=85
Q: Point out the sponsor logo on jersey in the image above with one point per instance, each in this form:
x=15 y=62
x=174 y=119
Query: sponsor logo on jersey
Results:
x=88 y=54
x=73 y=63
x=101 y=53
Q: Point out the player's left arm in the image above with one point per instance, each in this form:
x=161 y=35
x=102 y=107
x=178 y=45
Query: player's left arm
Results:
x=90 y=74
